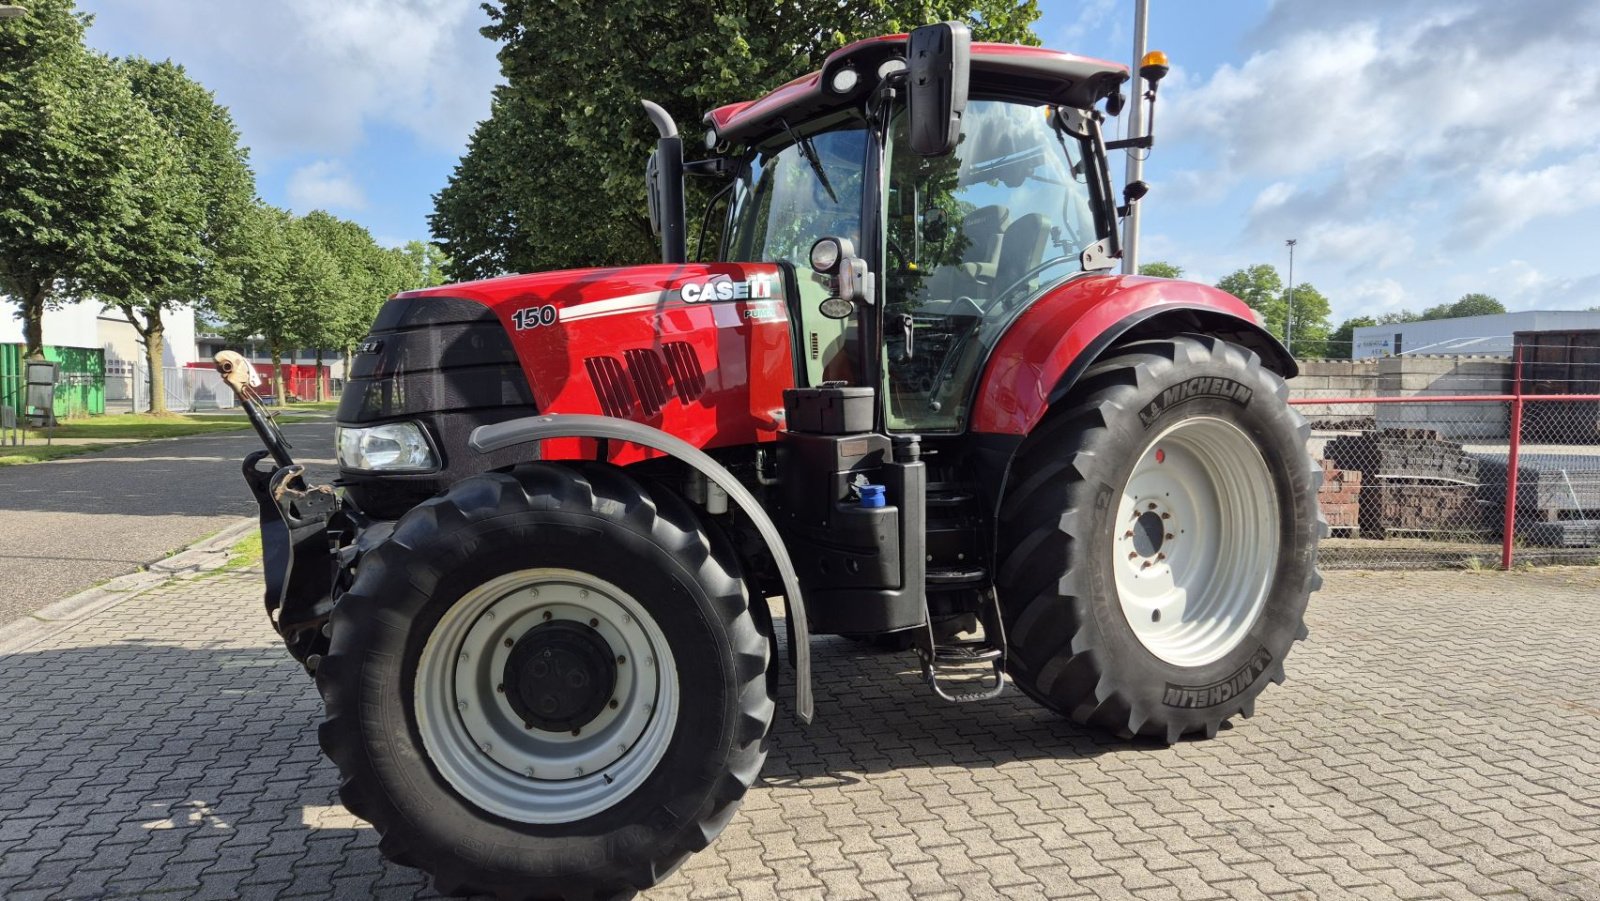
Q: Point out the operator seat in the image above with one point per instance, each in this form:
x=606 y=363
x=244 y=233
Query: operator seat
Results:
x=983 y=228
x=1021 y=249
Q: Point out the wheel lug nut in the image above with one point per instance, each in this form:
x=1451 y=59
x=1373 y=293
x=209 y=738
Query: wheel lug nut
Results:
x=500 y=688
x=621 y=659
x=1145 y=565
x=528 y=726
x=1166 y=516
x=576 y=732
x=1152 y=505
x=509 y=642
x=1133 y=555
x=613 y=704
x=547 y=614
x=593 y=623
x=1128 y=534
x=1169 y=536
x=461 y=705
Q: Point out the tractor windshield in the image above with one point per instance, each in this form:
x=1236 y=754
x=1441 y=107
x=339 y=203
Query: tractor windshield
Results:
x=973 y=237
x=793 y=193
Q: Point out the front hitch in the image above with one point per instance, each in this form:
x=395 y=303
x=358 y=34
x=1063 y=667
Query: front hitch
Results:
x=298 y=547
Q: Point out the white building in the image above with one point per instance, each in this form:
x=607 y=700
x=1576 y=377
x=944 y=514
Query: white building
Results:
x=1491 y=335
x=91 y=324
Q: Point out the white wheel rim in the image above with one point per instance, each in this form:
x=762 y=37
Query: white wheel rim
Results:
x=482 y=745
x=1195 y=541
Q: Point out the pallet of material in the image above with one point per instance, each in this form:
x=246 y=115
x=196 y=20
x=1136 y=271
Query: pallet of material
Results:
x=1405 y=454
x=1422 y=507
x=1549 y=487
x=1566 y=533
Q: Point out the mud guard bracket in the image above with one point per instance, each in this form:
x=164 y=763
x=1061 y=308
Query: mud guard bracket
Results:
x=533 y=429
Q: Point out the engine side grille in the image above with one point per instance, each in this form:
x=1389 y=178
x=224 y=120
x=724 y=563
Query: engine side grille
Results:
x=649 y=378
x=687 y=376
x=611 y=386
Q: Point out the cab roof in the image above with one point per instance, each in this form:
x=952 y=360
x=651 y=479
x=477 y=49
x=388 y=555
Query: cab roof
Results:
x=1008 y=70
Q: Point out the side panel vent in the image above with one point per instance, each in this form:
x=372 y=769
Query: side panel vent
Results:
x=649 y=378
x=687 y=376
x=611 y=386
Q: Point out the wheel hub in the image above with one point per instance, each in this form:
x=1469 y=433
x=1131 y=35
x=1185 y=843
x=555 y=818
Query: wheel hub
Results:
x=560 y=676
x=1149 y=533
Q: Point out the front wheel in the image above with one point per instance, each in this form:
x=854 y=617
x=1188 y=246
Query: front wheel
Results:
x=1161 y=529
x=547 y=684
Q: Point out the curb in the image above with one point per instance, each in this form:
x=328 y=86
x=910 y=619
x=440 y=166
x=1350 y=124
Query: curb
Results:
x=202 y=556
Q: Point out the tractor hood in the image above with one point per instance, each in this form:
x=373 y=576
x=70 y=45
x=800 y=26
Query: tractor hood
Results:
x=702 y=351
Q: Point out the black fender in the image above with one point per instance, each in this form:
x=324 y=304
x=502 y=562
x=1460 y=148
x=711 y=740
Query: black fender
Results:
x=534 y=429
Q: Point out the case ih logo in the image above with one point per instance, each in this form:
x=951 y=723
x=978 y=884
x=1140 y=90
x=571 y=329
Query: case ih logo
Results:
x=721 y=287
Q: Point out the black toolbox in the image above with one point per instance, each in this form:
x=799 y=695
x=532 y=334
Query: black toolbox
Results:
x=828 y=410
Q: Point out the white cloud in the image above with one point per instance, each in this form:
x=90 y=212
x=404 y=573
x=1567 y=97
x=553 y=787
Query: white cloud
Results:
x=308 y=77
x=1369 y=118
x=324 y=185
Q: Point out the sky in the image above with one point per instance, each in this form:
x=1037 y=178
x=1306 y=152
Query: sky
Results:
x=1417 y=150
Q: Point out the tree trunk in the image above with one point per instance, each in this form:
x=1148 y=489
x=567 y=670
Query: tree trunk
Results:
x=277 y=375
x=319 y=375
x=155 y=340
x=153 y=331
x=33 y=320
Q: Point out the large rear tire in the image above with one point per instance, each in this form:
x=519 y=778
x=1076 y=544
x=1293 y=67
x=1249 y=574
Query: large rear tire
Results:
x=1159 y=536
x=547 y=684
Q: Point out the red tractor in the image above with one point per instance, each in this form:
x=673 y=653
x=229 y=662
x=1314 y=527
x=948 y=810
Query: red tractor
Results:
x=910 y=398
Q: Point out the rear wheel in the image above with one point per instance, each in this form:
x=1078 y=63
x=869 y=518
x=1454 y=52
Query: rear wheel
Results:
x=1161 y=529
x=547 y=684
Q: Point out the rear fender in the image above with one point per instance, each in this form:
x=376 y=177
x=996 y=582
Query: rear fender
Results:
x=1042 y=355
x=535 y=429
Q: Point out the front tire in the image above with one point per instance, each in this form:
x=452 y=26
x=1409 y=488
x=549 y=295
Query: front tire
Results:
x=547 y=684
x=1161 y=531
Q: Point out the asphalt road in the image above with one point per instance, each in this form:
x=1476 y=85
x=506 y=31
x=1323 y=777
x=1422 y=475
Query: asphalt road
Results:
x=70 y=524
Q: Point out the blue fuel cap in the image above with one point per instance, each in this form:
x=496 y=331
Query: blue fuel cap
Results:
x=872 y=496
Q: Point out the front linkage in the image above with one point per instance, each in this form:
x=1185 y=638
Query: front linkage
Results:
x=302 y=526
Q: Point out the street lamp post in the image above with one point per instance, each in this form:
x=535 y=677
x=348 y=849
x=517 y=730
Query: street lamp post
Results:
x=1288 y=319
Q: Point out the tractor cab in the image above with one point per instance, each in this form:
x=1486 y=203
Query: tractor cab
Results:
x=967 y=179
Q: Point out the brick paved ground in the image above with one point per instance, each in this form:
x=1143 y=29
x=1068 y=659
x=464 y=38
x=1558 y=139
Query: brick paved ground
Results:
x=1438 y=737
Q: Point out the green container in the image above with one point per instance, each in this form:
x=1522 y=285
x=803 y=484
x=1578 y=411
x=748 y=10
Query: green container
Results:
x=80 y=390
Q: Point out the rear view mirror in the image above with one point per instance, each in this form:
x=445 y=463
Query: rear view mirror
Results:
x=939 y=59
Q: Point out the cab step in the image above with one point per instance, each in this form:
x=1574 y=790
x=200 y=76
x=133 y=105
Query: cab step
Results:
x=965 y=671
x=955 y=577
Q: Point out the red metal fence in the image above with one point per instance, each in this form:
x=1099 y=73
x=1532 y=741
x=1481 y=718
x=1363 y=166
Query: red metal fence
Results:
x=1460 y=465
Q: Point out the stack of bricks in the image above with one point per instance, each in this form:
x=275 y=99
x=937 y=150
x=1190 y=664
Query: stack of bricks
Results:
x=1416 y=481
x=1340 y=497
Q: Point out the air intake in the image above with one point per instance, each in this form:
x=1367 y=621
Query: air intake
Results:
x=649 y=378
x=687 y=376
x=611 y=386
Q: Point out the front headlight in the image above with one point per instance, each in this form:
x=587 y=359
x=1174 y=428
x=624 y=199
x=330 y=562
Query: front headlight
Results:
x=391 y=447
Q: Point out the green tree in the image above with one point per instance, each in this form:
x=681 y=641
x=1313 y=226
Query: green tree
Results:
x=192 y=188
x=1341 y=344
x=1161 y=269
x=284 y=275
x=554 y=177
x=68 y=139
x=362 y=280
x=1261 y=288
x=1468 y=305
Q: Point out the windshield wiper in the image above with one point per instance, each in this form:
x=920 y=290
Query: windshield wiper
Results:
x=810 y=153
